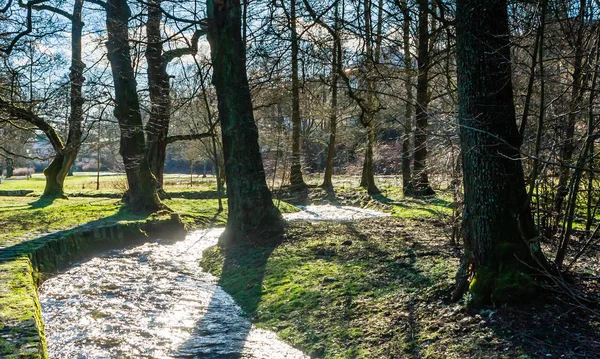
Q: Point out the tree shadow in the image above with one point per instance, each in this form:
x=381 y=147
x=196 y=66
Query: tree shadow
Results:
x=42 y=202
x=223 y=330
x=9 y=252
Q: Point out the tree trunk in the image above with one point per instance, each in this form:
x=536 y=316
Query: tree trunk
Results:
x=372 y=51
x=60 y=166
x=56 y=173
x=141 y=195
x=420 y=181
x=568 y=144
x=336 y=63
x=540 y=125
x=499 y=234
x=368 y=174
x=251 y=212
x=406 y=174
x=296 y=180
x=157 y=127
x=584 y=159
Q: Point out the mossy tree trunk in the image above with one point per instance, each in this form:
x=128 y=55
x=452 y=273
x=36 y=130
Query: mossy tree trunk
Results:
x=252 y=216
x=142 y=196
x=367 y=180
x=420 y=181
x=499 y=234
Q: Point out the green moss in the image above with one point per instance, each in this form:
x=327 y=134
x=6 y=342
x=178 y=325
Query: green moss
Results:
x=503 y=280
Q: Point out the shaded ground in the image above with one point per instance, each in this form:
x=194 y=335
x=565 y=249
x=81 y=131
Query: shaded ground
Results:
x=378 y=288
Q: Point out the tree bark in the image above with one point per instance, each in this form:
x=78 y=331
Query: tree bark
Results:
x=296 y=180
x=499 y=234
x=141 y=195
x=367 y=180
x=336 y=63
x=372 y=53
x=420 y=180
x=157 y=127
x=251 y=212
x=406 y=171
x=568 y=144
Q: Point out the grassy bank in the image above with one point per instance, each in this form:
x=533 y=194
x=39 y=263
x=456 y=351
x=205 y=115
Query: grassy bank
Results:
x=379 y=289
x=28 y=215
x=95 y=221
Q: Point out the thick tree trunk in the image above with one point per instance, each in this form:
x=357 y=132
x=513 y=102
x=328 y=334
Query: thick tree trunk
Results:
x=157 y=127
x=296 y=180
x=251 y=212
x=499 y=235
x=406 y=173
x=336 y=63
x=55 y=174
x=141 y=195
x=60 y=166
x=420 y=181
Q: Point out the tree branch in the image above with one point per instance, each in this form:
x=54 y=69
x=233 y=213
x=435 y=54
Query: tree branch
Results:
x=170 y=55
x=39 y=6
x=196 y=136
x=102 y=4
x=28 y=116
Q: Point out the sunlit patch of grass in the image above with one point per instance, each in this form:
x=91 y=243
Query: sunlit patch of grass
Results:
x=19 y=215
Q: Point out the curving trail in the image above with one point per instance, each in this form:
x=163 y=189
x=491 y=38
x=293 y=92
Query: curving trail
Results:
x=153 y=301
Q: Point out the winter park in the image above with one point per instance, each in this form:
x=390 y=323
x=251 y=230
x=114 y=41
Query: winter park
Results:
x=268 y=179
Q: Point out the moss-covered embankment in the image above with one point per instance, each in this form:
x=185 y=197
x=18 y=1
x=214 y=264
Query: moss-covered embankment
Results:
x=26 y=262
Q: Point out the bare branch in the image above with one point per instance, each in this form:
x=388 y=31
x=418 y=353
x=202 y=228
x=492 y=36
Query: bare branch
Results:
x=191 y=137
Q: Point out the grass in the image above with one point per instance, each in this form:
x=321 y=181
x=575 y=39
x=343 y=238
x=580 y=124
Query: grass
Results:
x=22 y=215
x=366 y=289
x=379 y=289
x=330 y=299
x=84 y=183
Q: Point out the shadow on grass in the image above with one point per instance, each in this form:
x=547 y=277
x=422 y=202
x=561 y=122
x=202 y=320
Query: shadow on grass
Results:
x=222 y=332
x=42 y=202
x=26 y=247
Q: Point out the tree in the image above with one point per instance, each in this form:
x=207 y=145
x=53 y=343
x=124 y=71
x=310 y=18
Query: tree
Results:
x=61 y=164
x=336 y=64
x=373 y=53
x=157 y=128
x=420 y=181
x=500 y=239
x=251 y=211
x=142 y=194
x=296 y=180
x=407 y=125
x=65 y=152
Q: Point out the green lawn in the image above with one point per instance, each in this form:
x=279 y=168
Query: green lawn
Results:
x=85 y=183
